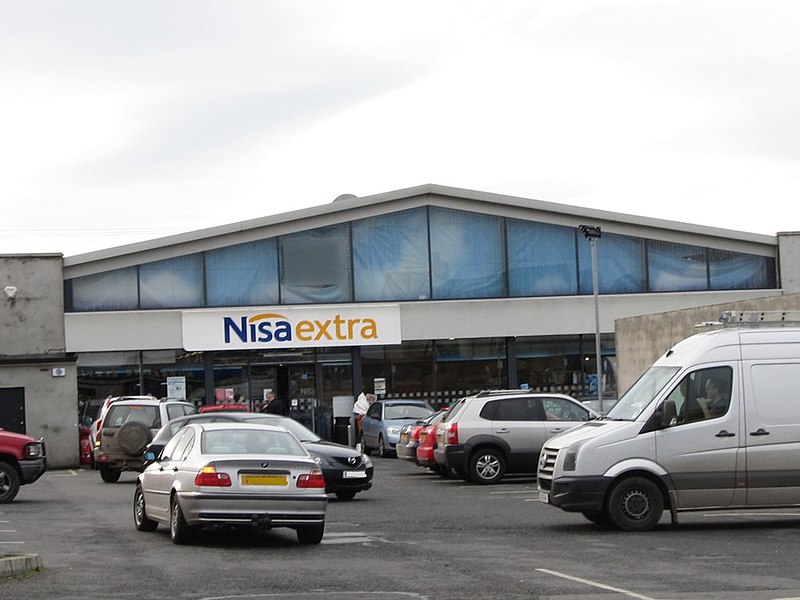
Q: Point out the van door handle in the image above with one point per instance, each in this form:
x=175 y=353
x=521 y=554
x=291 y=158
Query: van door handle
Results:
x=724 y=433
x=760 y=431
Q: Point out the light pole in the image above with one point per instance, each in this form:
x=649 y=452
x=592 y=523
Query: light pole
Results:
x=593 y=234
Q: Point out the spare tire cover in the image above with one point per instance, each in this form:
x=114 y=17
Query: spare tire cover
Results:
x=133 y=437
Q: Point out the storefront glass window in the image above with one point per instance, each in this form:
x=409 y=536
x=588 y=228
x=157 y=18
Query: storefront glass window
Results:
x=734 y=271
x=112 y=290
x=172 y=283
x=407 y=369
x=676 y=267
x=243 y=275
x=467 y=254
x=468 y=366
x=390 y=257
x=541 y=259
x=620 y=264
x=315 y=266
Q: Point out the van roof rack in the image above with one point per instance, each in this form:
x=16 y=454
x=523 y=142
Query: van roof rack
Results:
x=755 y=318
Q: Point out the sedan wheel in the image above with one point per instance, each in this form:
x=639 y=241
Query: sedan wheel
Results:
x=310 y=534
x=487 y=466
x=140 y=514
x=179 y=531
x=382 y=451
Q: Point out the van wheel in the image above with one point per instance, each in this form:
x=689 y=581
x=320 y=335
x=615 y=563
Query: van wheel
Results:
x=109 y=475
x=487 y=466
x=635 y=504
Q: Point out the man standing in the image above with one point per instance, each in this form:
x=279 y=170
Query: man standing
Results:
x=360 y=408
x=274 y=405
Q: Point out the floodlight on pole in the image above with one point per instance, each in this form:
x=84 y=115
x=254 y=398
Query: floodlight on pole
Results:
x=593 y=234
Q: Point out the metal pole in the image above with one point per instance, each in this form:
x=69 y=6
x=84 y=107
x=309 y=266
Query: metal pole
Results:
x=595 y=292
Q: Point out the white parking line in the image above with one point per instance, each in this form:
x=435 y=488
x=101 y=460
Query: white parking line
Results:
x=596 y=584
x=12 y=542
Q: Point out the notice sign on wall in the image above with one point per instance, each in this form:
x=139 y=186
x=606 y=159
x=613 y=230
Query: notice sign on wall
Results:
x=291 y=327
x=176 y=388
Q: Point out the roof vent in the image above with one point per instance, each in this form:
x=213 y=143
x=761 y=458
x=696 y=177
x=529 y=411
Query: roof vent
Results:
x=345 y=197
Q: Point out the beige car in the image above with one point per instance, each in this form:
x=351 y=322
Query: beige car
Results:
x=127 y=428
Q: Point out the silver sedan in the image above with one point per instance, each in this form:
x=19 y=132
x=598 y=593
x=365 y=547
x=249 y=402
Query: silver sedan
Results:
x=232 y=474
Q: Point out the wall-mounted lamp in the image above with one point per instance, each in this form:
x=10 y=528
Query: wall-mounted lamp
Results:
x=11 y=291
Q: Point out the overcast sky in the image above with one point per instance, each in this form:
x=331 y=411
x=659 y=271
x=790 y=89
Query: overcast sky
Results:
x=129 y=120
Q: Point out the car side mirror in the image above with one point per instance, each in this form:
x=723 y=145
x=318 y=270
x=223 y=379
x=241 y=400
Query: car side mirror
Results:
x=664 y=416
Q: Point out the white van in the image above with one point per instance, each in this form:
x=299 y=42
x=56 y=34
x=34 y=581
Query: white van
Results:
x=713 y=424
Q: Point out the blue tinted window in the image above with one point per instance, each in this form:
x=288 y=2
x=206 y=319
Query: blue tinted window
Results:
x=620 y=264
x=113 y=290
x=466 y=254
x=315 y=266
x=243 y=274
x=676 y=267
x=390 y=257
x=541 y=259
x=172 y=283
x=734 y=271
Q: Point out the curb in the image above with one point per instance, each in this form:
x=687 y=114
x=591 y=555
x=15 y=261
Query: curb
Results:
x=18 y=564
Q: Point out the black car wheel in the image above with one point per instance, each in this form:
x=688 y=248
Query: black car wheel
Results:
x=364 y=448
x=140 y=514
x=109 y=475
x=382 y=451
x=635 y=504
x=346 y=495
x=9 y=482
x=310 y=534
x=179 y=530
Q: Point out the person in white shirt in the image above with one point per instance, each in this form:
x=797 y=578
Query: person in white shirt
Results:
x=360 y=407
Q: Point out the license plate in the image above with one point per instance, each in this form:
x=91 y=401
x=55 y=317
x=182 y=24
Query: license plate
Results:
x=544 y=497
x=354 y=474
x=264 y=480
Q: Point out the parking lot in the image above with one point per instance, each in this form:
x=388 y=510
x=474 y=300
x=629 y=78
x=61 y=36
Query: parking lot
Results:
x=414 y=535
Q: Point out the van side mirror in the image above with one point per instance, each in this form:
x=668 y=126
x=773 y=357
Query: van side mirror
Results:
x=663 y=417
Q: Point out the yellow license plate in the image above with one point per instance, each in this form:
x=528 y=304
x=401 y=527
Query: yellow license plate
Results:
x=264 y=480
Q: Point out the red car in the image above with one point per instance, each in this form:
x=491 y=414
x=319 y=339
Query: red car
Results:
x=427 y=442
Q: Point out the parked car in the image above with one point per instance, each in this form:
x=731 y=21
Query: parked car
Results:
x=410 y=438
x=127 y=428
x=427 y=440
x=485 y=436
x=347 y=471
x=234 y=475
x=380 y=428
x=23 y=460
x=100 y=413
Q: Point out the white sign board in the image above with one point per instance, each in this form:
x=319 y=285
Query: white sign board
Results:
x=286 y=327
x=176 y=388
x=379 y=385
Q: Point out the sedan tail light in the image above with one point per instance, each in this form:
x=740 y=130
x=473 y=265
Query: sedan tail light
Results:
x=315 y=479
x=208 y=476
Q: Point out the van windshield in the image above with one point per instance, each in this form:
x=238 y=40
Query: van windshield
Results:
x=641 y=394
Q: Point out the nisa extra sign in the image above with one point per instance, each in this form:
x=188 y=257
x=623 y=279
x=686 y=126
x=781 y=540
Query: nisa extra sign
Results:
x=291 y=327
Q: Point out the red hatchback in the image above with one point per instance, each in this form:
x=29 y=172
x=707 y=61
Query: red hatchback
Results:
x=427 y=441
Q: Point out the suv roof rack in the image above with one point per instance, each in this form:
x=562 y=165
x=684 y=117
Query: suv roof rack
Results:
x=484 y=393
x=755 y=318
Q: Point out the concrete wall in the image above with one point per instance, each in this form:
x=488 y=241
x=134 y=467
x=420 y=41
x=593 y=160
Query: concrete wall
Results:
x=789 y=260
x=32 y=345
x=641 y=340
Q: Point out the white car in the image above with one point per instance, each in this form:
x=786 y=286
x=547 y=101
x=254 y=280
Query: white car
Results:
x=232 y=474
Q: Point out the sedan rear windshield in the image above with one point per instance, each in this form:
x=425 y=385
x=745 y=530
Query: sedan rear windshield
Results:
x=249 y=441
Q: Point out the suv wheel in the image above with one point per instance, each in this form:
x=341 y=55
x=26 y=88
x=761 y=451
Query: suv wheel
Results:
x=487 y=466
x=109 y=475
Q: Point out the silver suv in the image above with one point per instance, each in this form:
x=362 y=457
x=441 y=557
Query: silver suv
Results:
x=127 y=428
x=485 y=436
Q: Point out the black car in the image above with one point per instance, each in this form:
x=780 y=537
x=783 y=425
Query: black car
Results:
x=347 y=471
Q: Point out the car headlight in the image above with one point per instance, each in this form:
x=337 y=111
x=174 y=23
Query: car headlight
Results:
x=392 y=430
x=366 y=460
x=571 y=455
